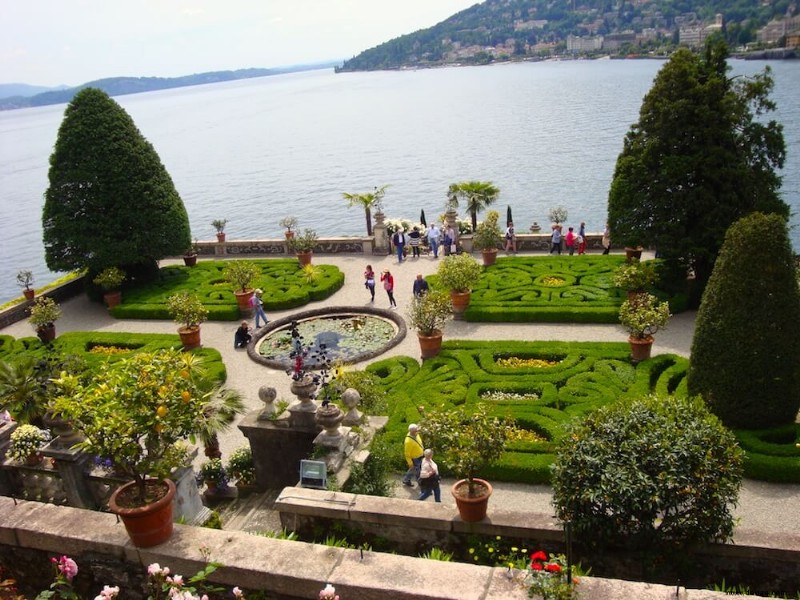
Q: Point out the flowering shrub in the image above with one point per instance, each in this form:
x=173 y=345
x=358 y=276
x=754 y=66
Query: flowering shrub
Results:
x=515 y=361
x=240 y=463
x=27 y=440
x=328 y=593
x=548 y=577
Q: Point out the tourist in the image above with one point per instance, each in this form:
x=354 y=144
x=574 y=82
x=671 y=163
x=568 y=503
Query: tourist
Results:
x=449 y=240
x=412 y=450
x=414 y=240
x=606 y=240
x=369 y=282
x=429 y=477
x=420 y=286
x=433 y=239
x=399 y=241
x=511 y=239
x=581 y=241
x=388 y=285
x=242 y=336
x=258 y=308
x=569 y=240
x=555 y=238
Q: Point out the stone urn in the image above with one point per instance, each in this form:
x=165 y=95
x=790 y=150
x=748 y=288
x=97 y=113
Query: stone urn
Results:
x=267 y=395
x=351 y=399
x=304 y=389
x=329 y=417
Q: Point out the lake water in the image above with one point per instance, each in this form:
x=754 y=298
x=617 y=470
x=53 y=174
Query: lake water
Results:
x=254 y=151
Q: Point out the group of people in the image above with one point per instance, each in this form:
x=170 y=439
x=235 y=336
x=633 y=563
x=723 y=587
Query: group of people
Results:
x=387 y=279
x=421 y=466
x=243 y=334
x=576 y=241
x=434 y=238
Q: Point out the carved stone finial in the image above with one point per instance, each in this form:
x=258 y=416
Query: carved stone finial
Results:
x=267 y=395
x=351 y=399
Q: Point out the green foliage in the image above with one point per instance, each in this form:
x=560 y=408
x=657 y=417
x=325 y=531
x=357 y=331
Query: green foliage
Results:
x=662 y=470
x=636 y=275
x=26 y=440
x=186 y=309
x=44 y=312
x=458 y=272
x=213 y=471
x=701 y=156
x=373 y=476
x=25 y=279
x=558 y=214
x=643 y=315
x=289 y=222
x=110 y=201
x=110 y=278
x=476 y=195
x=772 y=454
x=219 y=225
x=241 y=274
x=282 y=280
x=304 y=242
x=488 y=235
x=373 y=394
x=367 y=201
x=746 y=346
x=437 y=554
x=241 y=466
x=429 y=313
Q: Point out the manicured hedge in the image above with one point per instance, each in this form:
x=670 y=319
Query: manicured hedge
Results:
x=581 y=290
x=771 y=453
x=284 y=283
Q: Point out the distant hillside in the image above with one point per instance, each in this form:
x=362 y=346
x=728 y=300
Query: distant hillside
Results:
x=119 y=86
x=25 y=90
x=519 y=29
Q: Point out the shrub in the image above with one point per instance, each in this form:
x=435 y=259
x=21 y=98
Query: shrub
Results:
x=459 y=272
x=488 y=235
x=26 y=440
x=187 y=309
x=241 y=466
x=636 y=275
x=650 y=471
x=110 y=278
x=643 y=316
x=240 y=274
x=746 y=348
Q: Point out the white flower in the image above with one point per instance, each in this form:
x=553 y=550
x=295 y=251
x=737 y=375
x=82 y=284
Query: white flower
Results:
x=237 y=592
x=108 y=593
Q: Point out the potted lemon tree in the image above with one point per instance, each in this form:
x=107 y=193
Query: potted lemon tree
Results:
x=290 y=224
x=302 y=244
x=428 y=314
x=488 y=237
x=44 y=313
x=219 y=226
x=468 y=439
x=24 y=280
x=241 y=274
x=110 y=279
x=457 y=274
x=135 y=411
x=635 y=276
x=187 y=310
x=643 y=315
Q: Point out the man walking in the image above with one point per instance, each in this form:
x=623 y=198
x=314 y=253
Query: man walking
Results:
x=420 y=286
x=399 y=241
x=433 y=239
x=413 y=450
x=258 y=308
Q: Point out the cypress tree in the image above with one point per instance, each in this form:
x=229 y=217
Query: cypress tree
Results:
x=745 y=358
x=110 y=200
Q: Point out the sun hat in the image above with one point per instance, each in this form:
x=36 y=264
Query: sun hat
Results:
x=259 y=291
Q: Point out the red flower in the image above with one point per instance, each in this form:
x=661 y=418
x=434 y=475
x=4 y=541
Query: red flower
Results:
x=539 y=556
x=536 y=566
x=552 y=568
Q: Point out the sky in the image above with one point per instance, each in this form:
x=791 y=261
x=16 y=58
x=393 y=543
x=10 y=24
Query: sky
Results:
x=69 y=42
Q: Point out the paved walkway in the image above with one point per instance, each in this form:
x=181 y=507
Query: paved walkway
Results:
x=768 y=507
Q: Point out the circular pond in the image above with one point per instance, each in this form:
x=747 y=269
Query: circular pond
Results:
x=349 y=334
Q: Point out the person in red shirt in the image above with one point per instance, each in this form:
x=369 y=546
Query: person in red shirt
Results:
x=388 y=285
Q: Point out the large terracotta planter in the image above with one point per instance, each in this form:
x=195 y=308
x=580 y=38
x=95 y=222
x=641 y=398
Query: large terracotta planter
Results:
x=633 y=253
x=112 y=298
x=46 y=333
x=221 y=237
x=304 y=258
x=640 y=348
x=147 y=525
x=190 y=337
x=460 y=302
x=190 y=260
x=243 y=300
x=489 y=256
x=430 y=345
x=471 y=509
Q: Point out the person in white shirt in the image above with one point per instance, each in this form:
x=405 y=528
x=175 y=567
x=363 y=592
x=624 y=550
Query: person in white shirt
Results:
x=429 y=477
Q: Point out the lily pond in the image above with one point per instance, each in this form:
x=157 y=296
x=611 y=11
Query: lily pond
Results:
x=345 y=336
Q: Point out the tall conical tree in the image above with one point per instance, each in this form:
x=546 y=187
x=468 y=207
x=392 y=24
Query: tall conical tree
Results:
x=110 y=199
x=746 y=350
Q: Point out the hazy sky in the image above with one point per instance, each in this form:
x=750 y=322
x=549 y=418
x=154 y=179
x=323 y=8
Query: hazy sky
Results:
x=53 y=42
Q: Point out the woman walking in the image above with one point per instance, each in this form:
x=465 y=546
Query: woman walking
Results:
x=429 y=477
x=388 y=285
x=369 y=282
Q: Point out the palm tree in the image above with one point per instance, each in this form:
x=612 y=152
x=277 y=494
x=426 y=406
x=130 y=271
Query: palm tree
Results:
x=478 y=195
x=368 y=201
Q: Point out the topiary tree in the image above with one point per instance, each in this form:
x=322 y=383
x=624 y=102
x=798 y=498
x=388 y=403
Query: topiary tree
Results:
x=110 y=201
x=745 y=358
x=648 y=472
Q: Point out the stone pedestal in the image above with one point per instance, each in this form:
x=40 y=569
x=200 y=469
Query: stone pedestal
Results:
x=351 y=399
x=381 y=245
x=6 y=427
x=329 y=418
x=73 y=466
x=302 y=413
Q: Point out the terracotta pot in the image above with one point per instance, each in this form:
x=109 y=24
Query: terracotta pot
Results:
x=147 y=525
x=243 y=300
x=640 y=348
x=46 y=333
x=289 y=235
x=489 y=256
x=112 y=298
x=460 y=302
x=304 y=258
x=34 y=459
x=221 y=237
x=430 y=345
x=190 y=337
x=29 y=293
x=631 y=253
x=190 y=260
x=472 y=509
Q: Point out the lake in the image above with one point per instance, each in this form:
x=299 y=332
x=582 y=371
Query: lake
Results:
x=254 y=151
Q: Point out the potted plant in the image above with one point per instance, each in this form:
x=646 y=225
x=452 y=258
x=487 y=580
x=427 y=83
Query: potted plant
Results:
x=488 y=237
x=427 y=314
x=468 y=439
x=241 y=274
x=214 y=475
x=44 y=313
x=190 y=255
x=635 y=276
x=110 y=279
x=135 y=411
x=187 y=310
x=457 y=274
x=302 y=244
x=242 y=468
x=289 y=223
x=219 y=225
x=26 y=442
x=24 y=280
x=643 y=315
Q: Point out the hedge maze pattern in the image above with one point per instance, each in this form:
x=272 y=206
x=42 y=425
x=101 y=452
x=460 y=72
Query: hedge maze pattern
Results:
x=284 y=282
x=541 y=399
x=565 y=289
